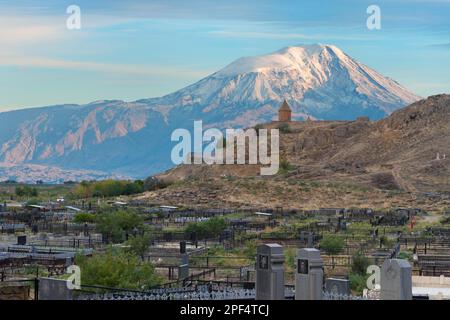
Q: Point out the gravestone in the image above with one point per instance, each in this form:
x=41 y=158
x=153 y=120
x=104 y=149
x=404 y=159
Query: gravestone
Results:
x=54 y=289
x=337 y=286
x=310 y=240
x=183 y=268
x=309 y=275
x=22 y=240
x=270 y=272
x=396 y=280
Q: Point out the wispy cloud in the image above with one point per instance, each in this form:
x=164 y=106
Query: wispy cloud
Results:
x=285 y=35
x=256 y=35
x=117 y=68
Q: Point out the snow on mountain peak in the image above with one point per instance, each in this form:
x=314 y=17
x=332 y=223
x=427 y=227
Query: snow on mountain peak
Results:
x=294 y=57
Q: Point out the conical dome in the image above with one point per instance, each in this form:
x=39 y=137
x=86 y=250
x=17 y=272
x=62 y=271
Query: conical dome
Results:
x=285 y=106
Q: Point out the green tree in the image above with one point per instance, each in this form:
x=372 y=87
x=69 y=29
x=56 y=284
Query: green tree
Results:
x=116 y=223
x=26 y=191
x=138 y=245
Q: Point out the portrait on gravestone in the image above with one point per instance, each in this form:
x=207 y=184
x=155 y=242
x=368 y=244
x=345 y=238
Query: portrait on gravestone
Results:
x=263 y=261
x=302 y=266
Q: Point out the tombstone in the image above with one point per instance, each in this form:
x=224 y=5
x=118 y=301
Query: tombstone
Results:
x=22 y=240
x=183 y=268
x=183 y=247
x=86 y=230
x=309 y=275
x=396 y=280
x=270 y=272
x=337 y=286
x=54 y=289
x=310 y=240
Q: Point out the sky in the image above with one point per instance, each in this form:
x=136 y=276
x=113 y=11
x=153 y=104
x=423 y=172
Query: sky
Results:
x=137 y=49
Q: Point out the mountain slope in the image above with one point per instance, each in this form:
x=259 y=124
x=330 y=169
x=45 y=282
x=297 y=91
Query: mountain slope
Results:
x=403 y=160
x=409 y=149
x=133 y=138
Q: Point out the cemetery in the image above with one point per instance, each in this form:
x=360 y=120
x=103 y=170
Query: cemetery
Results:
x=220 y=253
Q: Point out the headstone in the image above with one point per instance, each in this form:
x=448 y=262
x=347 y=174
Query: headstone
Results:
x=183 y=268
x=270 y=272
x=22 y=240
x=337 y=286
x=309 y=275
x=310 y=240
x=54 y=289
x=396 y=280
x=183 y=247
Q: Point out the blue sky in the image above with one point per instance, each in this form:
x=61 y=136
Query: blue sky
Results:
x=139 y=49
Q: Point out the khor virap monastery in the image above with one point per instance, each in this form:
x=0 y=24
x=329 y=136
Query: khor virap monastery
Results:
x=285 y=112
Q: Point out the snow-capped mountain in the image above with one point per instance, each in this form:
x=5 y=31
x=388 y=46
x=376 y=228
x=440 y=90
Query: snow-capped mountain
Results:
x=133 y=138
x=319 y=81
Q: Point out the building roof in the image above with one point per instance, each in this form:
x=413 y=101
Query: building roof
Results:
x=285 y=106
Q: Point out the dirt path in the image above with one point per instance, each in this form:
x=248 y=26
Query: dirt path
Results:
x=402 y=182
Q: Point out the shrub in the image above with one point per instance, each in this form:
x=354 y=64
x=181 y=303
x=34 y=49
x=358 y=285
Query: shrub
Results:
x=108 y=188
x=84 y=217
x=210 y=228
x=358 y=282
x=332 y=244
x=285 y=166
x=118 y=269
x=360 y=263
x=116 y=223
x=152 y=183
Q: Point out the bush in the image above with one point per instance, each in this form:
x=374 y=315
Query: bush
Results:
x=285 y=166
x=358 y=282
x=359 y=264
x=152 y=183
x=117 y=269
x=210 y=228
x=250 y=250
x=84 y=217
x=405 y=255
x=332 y=244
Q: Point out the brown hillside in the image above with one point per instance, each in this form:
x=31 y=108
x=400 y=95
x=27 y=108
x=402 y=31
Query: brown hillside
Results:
x=397 y=153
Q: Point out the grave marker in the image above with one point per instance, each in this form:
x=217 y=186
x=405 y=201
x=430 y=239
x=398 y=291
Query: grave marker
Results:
x=337 y=286
x=270 y=272
x=309 y=275
x=396 y=280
